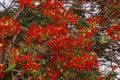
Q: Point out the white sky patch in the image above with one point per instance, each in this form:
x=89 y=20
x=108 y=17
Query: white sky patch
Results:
x=6 y=3
x=106 y=68
x=92 y=8
x=67 y=6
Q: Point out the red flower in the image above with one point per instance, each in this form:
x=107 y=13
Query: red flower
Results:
x=15 y=26
x=30 y=3
x=113 y=31
x=40 y=79
x=114 y=67
x=101 y=78
x=85 y=61
x=9 y=25
x=35 y=33
x=30 y=66
x=2 y=66
x=114 y=2
x=109 y=31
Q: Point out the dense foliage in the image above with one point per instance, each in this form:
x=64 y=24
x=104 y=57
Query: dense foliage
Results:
x=59 y=39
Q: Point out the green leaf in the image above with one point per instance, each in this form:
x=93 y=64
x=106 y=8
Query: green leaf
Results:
x=12 y=66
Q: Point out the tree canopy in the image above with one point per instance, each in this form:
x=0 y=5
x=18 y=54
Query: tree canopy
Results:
x=60 y=40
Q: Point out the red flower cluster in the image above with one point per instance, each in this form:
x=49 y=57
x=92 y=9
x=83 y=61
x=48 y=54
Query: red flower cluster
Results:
x=55 y=9
x=86 y=61
x=41 y=33
x=35 y=33
x=30 y=66
x=30 y=3
x=50 y=7
x=69 y=49
x=63 y=43
x=85 y=39
x=116 y=13
x=40 y=78
x=8 y=26
x=114 y=2
x=114 y=32
x=27 y=61
x=71 y=17
x=101 y=78
x=97 y=19
x=54 y=73
x=54 y=32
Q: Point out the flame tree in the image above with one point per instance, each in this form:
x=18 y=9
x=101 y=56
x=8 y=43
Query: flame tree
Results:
x=59 y=39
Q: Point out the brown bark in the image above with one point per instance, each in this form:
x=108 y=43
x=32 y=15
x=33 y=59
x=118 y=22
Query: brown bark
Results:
x=1 y=53
x=1 y=57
